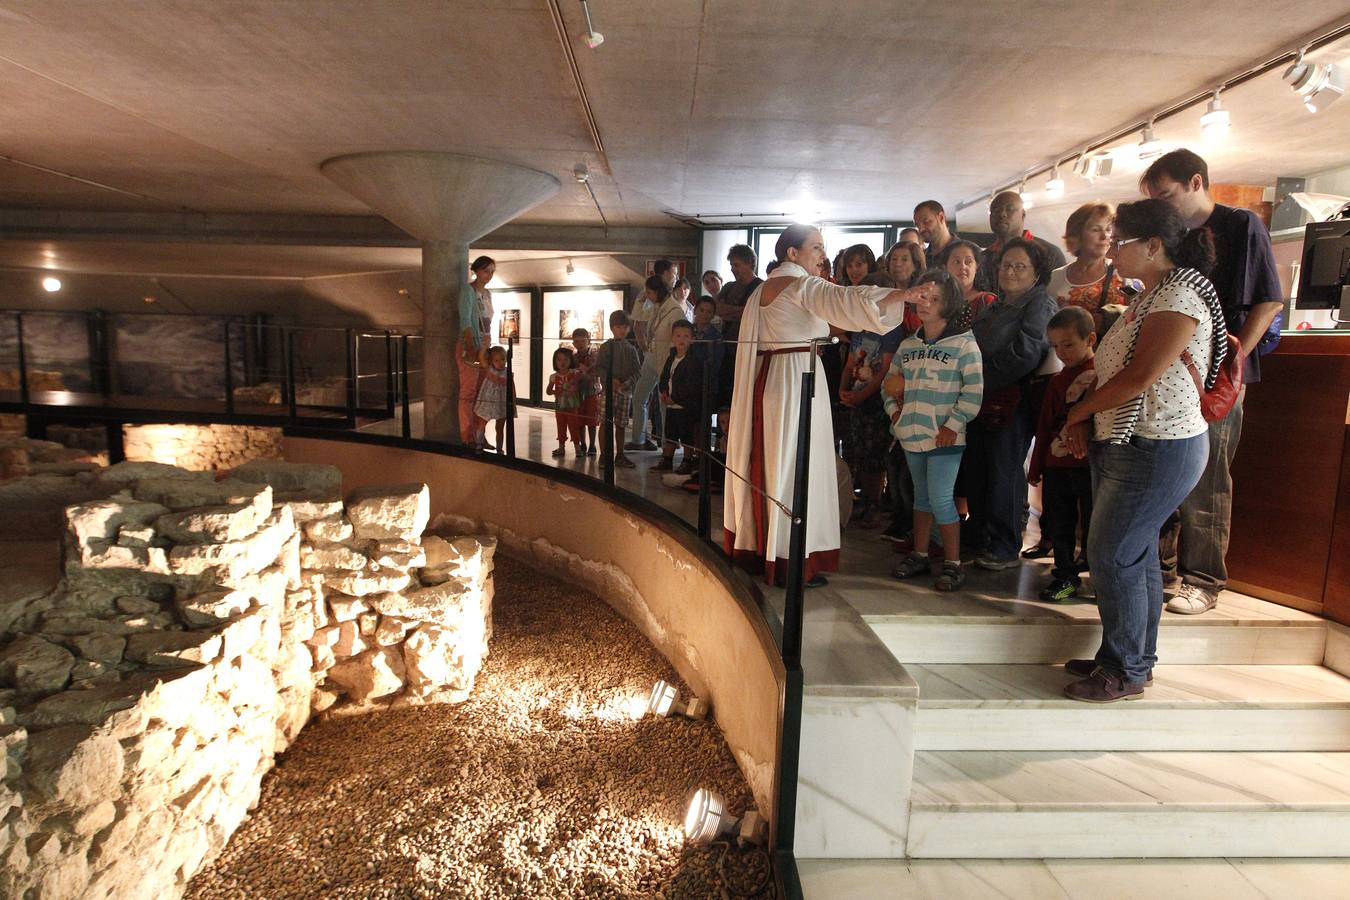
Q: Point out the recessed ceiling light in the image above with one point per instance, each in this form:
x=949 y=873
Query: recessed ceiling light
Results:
x=51 y=284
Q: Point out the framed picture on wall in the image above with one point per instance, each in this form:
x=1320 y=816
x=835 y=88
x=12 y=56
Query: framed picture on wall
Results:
x=593 y=320
x=509 y=327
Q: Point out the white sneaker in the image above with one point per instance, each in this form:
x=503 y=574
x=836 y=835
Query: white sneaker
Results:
x=1191 y=601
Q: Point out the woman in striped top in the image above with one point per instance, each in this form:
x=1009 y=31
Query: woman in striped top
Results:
x=935 y=385
x=1149 y=441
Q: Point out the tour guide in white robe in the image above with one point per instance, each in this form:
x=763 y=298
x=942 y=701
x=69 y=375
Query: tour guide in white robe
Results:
x=765 y=404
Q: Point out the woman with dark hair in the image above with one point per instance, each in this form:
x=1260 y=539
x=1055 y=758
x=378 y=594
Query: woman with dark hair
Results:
x=1144 y=435
x=905 y=262
x=1011 y=335
x=961 y=260
x=783 y=315
x=475 y=323
x=712 y=283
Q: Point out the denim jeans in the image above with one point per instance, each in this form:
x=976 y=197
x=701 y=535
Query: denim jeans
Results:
x=996 y=485
x=934 y=479
x=1194 y=539
x=648 y=376
x=1136 y=486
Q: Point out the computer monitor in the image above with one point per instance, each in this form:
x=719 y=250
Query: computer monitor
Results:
x=1324 y=275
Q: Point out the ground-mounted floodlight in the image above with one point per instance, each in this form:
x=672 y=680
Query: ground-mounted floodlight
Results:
x=665 y=699
x=706 y=819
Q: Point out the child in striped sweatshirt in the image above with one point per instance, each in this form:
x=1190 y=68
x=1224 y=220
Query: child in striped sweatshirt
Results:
x=933 y=390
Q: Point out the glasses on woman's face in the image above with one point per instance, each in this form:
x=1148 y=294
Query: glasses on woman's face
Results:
x=1117 y=243
x=1015 y=268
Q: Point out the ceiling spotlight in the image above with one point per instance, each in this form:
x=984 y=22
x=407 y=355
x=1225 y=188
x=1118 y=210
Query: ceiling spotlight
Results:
x=665 y=699
x=571 y=269
x=51 y=284
x=149 y=299
x=1317 y=85
x=706 y=819
x=1054 y=188
x=1149 y=145
x=1214 y=124
x=593 y=38
x=581 y=173
x=1028 y=199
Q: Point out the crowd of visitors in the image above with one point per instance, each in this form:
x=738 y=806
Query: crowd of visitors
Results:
x=960 y=376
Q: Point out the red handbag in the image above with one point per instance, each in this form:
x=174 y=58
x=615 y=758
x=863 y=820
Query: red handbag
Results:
x=1219 y=400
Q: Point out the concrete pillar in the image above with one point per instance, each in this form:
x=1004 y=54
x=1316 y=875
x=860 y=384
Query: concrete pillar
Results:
x=446 y=200
x=445 y=267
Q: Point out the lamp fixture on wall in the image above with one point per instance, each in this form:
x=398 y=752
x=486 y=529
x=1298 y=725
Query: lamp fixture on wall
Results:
x=593 y=38
x=665 y=699
x=51 y=284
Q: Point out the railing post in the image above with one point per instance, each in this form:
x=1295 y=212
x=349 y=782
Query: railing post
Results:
x=510 y=431
x=607 y=425
x=390 y=388
x=291 y=400
x=705 y=450
x=100 y=359
x=785 y=833
x=352 y=369
x=403 y=382
x=23 y=359
x=229 y=372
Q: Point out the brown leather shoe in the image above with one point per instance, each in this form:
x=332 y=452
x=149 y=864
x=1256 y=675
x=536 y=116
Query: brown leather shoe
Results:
x=1085 y=667
x=1103 y=687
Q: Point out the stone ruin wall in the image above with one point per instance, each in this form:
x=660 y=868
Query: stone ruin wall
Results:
x=200 y=625
x=203 y=448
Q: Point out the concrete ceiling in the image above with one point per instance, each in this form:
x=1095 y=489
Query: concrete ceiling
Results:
x=840 y=110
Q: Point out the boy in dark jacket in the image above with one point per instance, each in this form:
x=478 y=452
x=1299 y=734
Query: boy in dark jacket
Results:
x=1066 y=492
x=681 y=387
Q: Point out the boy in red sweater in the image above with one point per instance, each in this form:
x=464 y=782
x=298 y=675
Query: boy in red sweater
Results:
x=1067 y=490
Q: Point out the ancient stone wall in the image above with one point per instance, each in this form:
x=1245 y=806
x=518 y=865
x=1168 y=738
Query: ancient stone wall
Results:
x=199 y=626
x=203 y=448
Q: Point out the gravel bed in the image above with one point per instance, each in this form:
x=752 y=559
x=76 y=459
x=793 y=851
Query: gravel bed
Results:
x=545 y=783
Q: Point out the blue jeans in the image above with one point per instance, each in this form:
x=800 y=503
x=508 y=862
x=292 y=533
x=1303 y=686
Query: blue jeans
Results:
x=996 y=485
x=934 y=474
x=648 y=376
x=1136 y=486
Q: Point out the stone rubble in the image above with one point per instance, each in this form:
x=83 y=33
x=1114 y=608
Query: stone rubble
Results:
x=201 y=624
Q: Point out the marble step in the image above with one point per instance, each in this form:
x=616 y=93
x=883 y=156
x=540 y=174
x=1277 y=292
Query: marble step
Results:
x=1018 y=804
x=1200 y=707
x=1240 y=631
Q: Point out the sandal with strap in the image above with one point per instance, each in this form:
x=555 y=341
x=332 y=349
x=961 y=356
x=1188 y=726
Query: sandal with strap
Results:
x=914 y=564
x=951 y=578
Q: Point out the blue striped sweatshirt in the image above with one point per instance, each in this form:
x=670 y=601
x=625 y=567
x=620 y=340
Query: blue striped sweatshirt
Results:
x=944 y=384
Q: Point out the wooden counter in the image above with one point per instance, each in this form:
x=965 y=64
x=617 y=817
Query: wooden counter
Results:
x=1291 y=479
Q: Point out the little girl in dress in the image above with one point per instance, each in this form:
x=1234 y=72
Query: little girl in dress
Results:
x=565 y=384
x=494 y=400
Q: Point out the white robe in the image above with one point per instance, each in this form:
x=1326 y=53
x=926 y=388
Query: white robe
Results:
x=803 y=310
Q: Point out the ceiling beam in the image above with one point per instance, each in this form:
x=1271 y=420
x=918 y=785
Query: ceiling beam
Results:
x=678 y=241
x=201 y=228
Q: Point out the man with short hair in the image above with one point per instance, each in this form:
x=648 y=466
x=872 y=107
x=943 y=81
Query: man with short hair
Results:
x=731 y=299
x=931 y=221
x=1007 y=220
x=1194 y=541
x=910 y=236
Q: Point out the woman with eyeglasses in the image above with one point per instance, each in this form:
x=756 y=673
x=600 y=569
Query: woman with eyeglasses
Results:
x=1144 y=435
x=1091 y=281
x=1013 y=344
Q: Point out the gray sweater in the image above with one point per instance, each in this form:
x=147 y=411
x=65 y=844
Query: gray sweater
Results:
x=624 y=358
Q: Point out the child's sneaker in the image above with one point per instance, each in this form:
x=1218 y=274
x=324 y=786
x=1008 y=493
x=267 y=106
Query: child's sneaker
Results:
x=952 y=576
x=914 y=564
x=1059 y=591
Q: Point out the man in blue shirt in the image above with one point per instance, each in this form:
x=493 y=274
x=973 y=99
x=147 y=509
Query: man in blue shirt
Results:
x=1194 y=541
